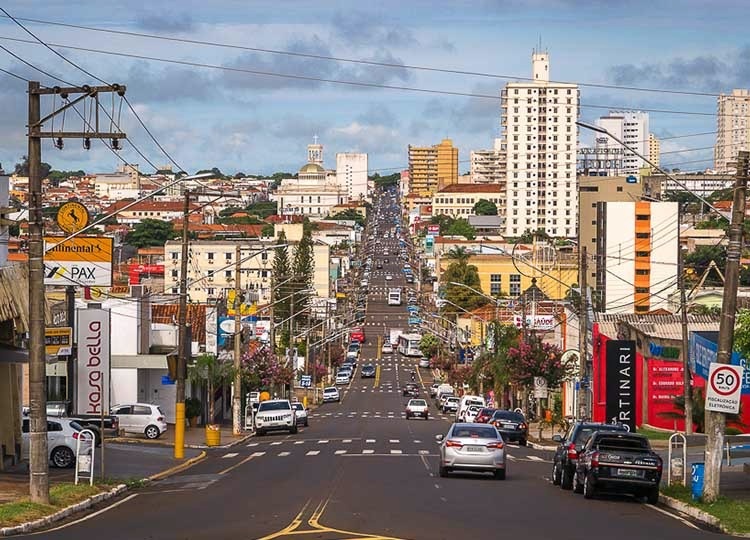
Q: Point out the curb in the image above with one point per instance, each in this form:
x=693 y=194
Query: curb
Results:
x=63 y=513
x=537 y=446
x=178 y=468
x=698 y=515
x=127 y=440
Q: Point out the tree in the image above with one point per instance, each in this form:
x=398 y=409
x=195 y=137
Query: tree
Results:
x=281 y=271
x=22 y=168
x=483 y=207
x=303 y=268
x=534 y=358
x=697 y=262
x=444 y=221
x=461 y=227
x=742 y=333
x=267 y=230
x=150 y=232
x=212 y=372
x=262 y=370
x=429 y=345
x=460 y=271
x=386 y=181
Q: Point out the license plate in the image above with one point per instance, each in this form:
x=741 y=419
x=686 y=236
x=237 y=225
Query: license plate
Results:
x=629 y=473
x=474 y=449
x=509 y=426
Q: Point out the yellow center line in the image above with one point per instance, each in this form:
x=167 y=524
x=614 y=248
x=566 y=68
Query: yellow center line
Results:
x=377 y=376
x=248 y=458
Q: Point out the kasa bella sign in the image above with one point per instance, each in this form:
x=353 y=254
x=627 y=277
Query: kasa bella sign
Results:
x=621 y=382
x=93 y=361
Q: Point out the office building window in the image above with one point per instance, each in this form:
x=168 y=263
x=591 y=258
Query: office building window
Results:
x=495 y=282
x=515 y=285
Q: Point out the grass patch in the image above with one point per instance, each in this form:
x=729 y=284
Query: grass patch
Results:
x=61 y=495
x=655 y=435
x=734 y=514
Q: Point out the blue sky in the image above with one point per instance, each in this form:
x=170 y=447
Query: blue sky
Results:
x=259 y=124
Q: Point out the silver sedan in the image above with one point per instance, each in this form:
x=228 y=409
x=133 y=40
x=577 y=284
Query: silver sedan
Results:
x=472 y=447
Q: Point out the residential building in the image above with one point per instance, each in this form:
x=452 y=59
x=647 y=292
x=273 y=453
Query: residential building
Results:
x=351 y=173
x=540 y=136
x=636 y=255
x=488 y=166
x=632 y=128
x=458 y=200
x=654 y=150
x=404 y=185
x=431 y=167
x=161 y=210
x=732 y=128
x=125 y=182
x=699 y=183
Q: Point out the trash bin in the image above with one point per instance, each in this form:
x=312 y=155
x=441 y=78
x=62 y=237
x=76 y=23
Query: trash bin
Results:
x=213 y=436
x=696 y=484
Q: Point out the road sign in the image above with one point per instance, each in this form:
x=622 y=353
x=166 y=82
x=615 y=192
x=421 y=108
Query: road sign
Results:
x=305 y=381
x=724 y=388
x=414 y=320
x=84 y=261
x=58 y=341
x=540 y=387
x=72 y=216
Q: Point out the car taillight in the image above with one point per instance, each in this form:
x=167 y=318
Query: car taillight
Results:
x=522 y=425
x=498 y=444
x=75 y=435
x=453 y=444
x=595 y=459
x=659 y=465
x=572 y=452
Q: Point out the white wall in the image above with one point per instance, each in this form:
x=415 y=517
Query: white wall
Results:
x=620 y=257
x=351 y=173
x=664 y=252
x=126 y=334
x=124 y=385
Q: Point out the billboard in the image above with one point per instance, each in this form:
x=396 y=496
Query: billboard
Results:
x=93 y=361
x=85 y=261
x=703 y=352
x=621 y=382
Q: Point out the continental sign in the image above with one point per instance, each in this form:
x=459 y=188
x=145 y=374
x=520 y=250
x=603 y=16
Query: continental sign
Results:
x=85 y=261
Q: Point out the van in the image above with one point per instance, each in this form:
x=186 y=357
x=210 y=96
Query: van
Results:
x=444 y=389
x=465 y=403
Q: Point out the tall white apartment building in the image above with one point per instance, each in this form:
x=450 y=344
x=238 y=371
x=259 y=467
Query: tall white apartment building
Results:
x=488 y=166
x=540 y=137
x=632 y=128
x=733 y=128
x=351 y=173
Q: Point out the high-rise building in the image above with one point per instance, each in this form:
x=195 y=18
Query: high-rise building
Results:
x=654 y=149
x=351 y=173
x=631 y=127
x=431 y=167
x=540 y=137
x=733 y=128
x=488 y=166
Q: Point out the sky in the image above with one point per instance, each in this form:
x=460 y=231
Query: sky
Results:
x=255 y=123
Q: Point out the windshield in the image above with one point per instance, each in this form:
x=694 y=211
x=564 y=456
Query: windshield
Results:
x=508 y=415
x=418 y=403
x=274 y=406
x=475 y=432
x=585 y=432
x=298 y=406
x=622 y=443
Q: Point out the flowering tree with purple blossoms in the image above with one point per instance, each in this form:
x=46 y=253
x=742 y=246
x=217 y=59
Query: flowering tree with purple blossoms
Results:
x=262 y=369
x=533 y=358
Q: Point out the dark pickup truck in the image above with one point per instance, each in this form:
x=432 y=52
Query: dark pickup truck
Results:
x=87 y=421
x=618 y=462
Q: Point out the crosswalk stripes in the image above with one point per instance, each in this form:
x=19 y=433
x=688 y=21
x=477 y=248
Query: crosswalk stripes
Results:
x=535 y=458
x=313 y=453
x=339 y=452
x=230 y=455
x=284 y=454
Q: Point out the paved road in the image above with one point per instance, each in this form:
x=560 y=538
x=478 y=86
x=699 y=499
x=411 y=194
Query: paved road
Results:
x=361 y=470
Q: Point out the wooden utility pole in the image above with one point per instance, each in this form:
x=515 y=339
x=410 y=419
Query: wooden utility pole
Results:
x=183 y=345
x=38 y=448
x=687 y=390
x=237 y=384
x=716 y=421
x=583 y=411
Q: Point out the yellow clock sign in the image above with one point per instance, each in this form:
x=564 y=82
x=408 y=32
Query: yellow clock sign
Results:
x=72 y=217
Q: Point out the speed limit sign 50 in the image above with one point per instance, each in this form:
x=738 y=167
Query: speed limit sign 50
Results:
x=724 y=388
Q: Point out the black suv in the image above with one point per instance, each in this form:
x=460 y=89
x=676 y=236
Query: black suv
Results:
x=570 y=445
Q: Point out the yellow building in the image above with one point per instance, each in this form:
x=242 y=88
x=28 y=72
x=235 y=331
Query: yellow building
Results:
x=431 y=167
x=447 y=163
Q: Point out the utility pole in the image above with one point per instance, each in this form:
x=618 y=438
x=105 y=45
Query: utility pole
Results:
x=687 y=390
x=583 y=336
x=179 y=417
x=716 y=421
x=38 y=448
x=237 y=384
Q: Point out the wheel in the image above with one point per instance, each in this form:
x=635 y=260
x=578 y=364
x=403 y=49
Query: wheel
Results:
x=522 y=442
x=577 y=486
x=556 y=474
x=443 y=472
x=293 y=429
x=566 y=479
x=500 y=474
x=63 y=457
x=589 y=487
x=261 y=432
x=652 y=496
x=152 y=432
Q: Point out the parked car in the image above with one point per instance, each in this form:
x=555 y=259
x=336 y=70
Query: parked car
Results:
x=484 y=415
x=418 y=408
x=301 y=413
x=472 y=447
x=569 y=445
x=511 y=425
x=471 y=413
x=434 y=389
x=424 y=363
x=368 y=371
x=618 y=462
x=342 y=377
x=331 y=393
x=352 y=352
x=140 y=418
x=387 y=347
x=275 y=414
x=62 y=438
x=450 y=404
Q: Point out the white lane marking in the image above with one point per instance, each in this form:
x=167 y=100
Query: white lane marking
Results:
x=417 y=441
x=368 y=451
x=257 y=454
x=346 y=441
x=370 y=441
x=299 y=442
x=396 y=452
x=512 y=458
x=98 y=512
x=313 y=453
x=323 y=441
x=670 y=514
x=339 y=452
x=535 y=458
x=253 y=444
x=426 y=452
x=276 y=443
x=283 y=454
x=393 y=441
x=230 y=455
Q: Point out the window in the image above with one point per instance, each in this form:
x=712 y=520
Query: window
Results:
x=619 y=188
x=210 y=256
x=495 y=281
x=642 y=217
x=210 y=291
x=515 y=285
x=228 y=256
x=642 y=272
x=642 y=235
x=141 y=409
x=641 y=290
x=228 y=274
x=642 y=253
x=174 y=273
x=175 y=256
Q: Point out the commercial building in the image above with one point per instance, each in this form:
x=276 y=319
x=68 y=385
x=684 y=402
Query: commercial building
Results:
x=540 y=136
x=488 y=166
x=654 y=150
x=458 y=200
x=698 y=183
x=732 y=128
x=447 y=163
x=351 y=173
x=632 y=128
x=431 y=167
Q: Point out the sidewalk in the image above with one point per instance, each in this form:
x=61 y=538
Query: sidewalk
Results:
x=194 y=438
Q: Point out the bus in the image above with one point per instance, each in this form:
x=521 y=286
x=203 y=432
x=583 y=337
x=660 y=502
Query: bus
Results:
x=408 y=344
x=394 y=297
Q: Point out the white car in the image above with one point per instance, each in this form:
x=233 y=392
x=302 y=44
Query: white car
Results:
x=417 y=407
x=301 y=412
x=62 y=438
x=388 y=277
x=275 y=414
x=141 y=418
x=331 y=393
x=387 y=348
x=471 y=413
x=342 y=377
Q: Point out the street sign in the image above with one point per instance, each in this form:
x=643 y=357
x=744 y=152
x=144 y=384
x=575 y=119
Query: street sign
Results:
x=305 y=381
x=84 y=261
x=540 y=387
x=724 y=388
x=58 y=341
x=414 y=320
x=72 y=216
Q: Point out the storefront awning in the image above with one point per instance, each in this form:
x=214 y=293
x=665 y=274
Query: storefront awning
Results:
x=139 y=361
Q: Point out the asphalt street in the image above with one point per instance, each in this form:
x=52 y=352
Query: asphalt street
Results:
x=361 y=470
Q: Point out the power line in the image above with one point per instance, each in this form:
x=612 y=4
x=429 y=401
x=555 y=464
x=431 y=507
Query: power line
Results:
x=10 y=73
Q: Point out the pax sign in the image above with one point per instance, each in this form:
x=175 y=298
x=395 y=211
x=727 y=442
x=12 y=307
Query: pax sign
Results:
x=93 y=361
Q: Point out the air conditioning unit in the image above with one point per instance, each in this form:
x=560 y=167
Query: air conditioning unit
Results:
x=210 y=261
x=210 y=278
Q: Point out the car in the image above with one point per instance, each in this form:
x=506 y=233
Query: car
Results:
x=368 y=371
x=565 y=459
x=379 y=265
x=62 y=439
x=410 y=389
x=364 y=283
x=387 y=347
x=484 y=415
x=466 y=401
x=357 y=334
x=140 y=418
x=471 y=413
x=472 y=447
x=424 y=362
x=388 y=277
x=275 y=414
x=619 y=462
x=343 y=377
x=331 y=393
x=434 y=389
x=417 y=407
x=301 y=413
x=451 y=404
x=512 y=425
x=352 y=352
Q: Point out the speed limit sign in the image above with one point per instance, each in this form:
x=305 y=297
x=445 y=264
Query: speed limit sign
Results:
x=724 y=388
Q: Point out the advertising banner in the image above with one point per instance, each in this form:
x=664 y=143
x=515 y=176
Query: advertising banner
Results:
x=84 y=261
x=93 y=361
x=621 y=382
x=703 y=352
x=664 y=385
